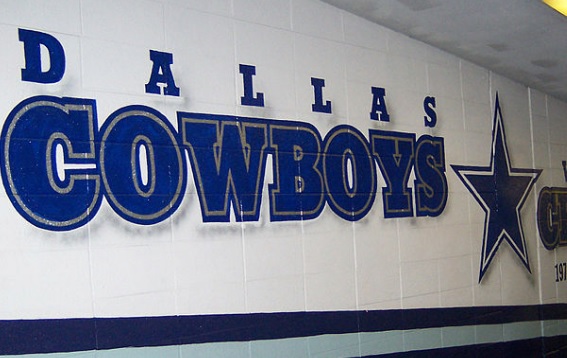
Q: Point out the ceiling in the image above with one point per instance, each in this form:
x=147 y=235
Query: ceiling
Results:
x=524 y=40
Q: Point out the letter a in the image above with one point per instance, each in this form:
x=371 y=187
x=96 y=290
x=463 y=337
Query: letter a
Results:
x=162 y=61
x=379 y=111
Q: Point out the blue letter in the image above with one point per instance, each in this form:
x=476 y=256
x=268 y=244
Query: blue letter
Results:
x=394 y=152
x=430 y=183
x=297 y=192
x=318 y=106
x=32 y=53
x=379 y=111
x=49 y=161
x=349 y=172
x=552 y=216
x=429 y=107
x=162 y=62
x=227 y=157
x=248 y=99
x=143 y=167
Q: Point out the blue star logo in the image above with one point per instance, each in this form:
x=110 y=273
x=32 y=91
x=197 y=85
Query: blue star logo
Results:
x=501 y=191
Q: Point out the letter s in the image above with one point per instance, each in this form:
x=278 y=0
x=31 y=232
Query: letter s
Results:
x=431 y=188
x=430 y=120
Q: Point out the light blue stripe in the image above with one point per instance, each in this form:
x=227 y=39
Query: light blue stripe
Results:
x=340 y=345
x=458 y=336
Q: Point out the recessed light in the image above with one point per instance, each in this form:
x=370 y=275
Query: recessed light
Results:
x=559 y=5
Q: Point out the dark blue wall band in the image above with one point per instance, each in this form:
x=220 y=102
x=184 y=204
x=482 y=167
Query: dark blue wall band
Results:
x=536 y=347
x=69 y=335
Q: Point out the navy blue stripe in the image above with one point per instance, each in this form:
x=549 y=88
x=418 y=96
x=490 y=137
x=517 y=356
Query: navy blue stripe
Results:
x=536 y=347
x=47 y=336
x=373 y=321
x=68 y=335
x=157 y=331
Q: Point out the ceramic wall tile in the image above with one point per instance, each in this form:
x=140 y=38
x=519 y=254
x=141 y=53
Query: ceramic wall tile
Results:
x=327 y=25
x=124 y=22
x=56 y=16
x=272 y=13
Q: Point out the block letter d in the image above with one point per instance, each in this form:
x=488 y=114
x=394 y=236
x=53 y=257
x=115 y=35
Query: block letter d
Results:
x=33 y=72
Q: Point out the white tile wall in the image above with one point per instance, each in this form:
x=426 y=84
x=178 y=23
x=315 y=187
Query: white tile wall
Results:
x=184 y=266
x=46 y=283
x=271 y=51
x=129 y=22
x=203 y=48
x=320 y=59
x=326 y=24
x=51 y=16
x=362 y=33
x=274 y=270
x=123 y=69
x=273 y=13
x=420 y=283
x=209 y=274
x=330 y=276
x=128 y=279
x=219 y=7
x=377 y=263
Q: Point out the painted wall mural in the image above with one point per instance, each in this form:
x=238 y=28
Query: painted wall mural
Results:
x=227 y=156
x=240 y=179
